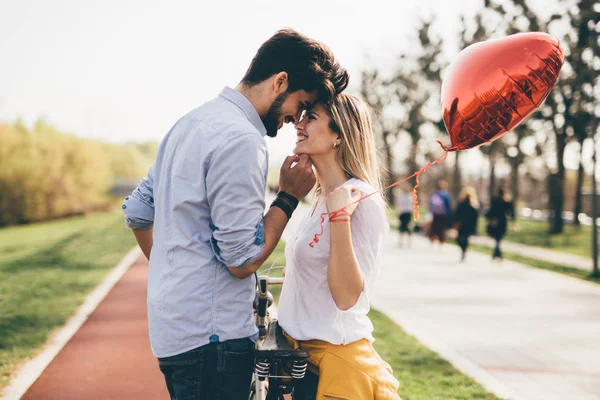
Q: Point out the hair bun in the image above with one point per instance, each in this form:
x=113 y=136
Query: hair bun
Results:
x=341 y=80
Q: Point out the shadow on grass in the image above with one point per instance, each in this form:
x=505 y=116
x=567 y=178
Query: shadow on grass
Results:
x=19 y=330
x=60 y=254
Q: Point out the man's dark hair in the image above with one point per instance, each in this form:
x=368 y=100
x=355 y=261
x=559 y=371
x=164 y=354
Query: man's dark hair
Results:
x=310 y=65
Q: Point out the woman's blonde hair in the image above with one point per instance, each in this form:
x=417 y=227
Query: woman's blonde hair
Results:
x=469 y=193
x=351 y=119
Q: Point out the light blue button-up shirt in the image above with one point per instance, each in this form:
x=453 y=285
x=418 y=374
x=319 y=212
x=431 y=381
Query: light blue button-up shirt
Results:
x=205 y=198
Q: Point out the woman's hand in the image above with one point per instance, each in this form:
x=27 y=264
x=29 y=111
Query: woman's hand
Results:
x=343 y=197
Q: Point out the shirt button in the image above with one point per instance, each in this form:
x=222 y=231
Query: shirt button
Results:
x=123 y=206
x=127 y=198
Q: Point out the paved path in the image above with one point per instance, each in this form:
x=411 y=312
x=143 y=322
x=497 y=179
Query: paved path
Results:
x=540 y=253
x=523 y=332
x=109 y=357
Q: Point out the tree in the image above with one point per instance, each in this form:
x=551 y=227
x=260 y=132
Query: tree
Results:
x=561 y=100
x=404 y=100
x=466 y=39
x=423 y=90
x=45 y=173
x=585 y=121
x=515 y=156
x=375 y=91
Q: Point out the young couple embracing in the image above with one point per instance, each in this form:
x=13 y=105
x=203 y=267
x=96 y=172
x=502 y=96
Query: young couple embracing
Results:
x=199 y=217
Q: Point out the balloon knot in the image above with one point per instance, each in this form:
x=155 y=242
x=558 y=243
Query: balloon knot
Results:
x=446 y=148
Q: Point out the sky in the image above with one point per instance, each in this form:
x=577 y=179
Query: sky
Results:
x=126 y=70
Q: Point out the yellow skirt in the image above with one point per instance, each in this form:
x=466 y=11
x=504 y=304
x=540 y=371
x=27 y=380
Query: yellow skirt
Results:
x=349 y=372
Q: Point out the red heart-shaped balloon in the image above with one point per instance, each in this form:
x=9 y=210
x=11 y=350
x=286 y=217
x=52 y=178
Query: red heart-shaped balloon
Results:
x=492 y=86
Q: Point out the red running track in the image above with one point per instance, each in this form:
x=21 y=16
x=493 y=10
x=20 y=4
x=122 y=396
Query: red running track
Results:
x=109 y=357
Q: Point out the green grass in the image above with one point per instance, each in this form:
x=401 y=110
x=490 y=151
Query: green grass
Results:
x=47 y=271
x=276 y=259
x=573 y=240
x=532 y=262
x=423 y=375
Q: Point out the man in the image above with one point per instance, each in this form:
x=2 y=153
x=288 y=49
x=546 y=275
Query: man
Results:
x=198 y=216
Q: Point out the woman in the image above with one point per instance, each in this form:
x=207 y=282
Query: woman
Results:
x=465 y=218
x=404 y=205
x=501 y=208
x=325 y=297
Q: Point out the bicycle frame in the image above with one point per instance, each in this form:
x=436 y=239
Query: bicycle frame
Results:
x=277 y=365
x=262 y=323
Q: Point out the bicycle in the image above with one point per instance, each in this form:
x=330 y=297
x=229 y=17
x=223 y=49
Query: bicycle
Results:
x=276 y=364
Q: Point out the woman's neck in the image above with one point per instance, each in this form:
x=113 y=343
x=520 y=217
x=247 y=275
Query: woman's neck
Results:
x=330 y=174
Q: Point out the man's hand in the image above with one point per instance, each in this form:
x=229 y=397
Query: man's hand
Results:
x=299 y=179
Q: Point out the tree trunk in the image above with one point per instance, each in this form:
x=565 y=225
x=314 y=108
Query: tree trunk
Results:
x=411 y=162
x=389 y=169
x=457 y=179
x=514 y=179
x=595 y=271
x=492 y=187
x=556 y=189
x=578 y=194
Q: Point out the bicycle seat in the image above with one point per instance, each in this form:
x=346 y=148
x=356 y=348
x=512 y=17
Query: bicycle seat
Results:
x=276 y=346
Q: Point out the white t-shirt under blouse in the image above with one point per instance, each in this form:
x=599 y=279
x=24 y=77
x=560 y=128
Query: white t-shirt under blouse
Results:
x=306 y=308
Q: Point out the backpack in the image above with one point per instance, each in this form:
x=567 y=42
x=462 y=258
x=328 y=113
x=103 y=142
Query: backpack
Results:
x=437 y=204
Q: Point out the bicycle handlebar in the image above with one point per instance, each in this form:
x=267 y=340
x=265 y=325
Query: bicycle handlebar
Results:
x=271 y=280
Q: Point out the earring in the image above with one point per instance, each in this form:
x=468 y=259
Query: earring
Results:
x=335 y=144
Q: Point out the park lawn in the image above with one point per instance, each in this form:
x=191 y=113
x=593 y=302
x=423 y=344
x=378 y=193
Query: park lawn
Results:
x=573 y=240
x=47 y=270
x=541 y=264
x=423 y=375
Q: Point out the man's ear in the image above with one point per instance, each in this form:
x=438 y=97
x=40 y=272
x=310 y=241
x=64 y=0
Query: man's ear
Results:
x=281 y=83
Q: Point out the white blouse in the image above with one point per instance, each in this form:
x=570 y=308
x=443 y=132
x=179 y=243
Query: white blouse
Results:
x=306 y=308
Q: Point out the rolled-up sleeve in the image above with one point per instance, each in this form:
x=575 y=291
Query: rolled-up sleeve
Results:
x=236 y=185
x=139 y=206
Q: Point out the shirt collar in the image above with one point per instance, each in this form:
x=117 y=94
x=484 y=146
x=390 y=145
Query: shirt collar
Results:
x=244 y=104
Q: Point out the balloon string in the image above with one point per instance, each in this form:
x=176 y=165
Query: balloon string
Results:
x=417 y=174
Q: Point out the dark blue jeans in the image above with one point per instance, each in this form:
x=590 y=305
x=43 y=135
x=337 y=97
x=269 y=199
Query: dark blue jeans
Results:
x=216 y=371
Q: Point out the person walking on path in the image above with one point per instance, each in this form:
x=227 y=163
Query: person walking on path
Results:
x=465 y=218
x=198 y=216
x=439 y=206
x=403 y=200
x=501 y=208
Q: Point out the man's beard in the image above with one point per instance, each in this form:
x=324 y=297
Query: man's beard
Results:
x=271 y=120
